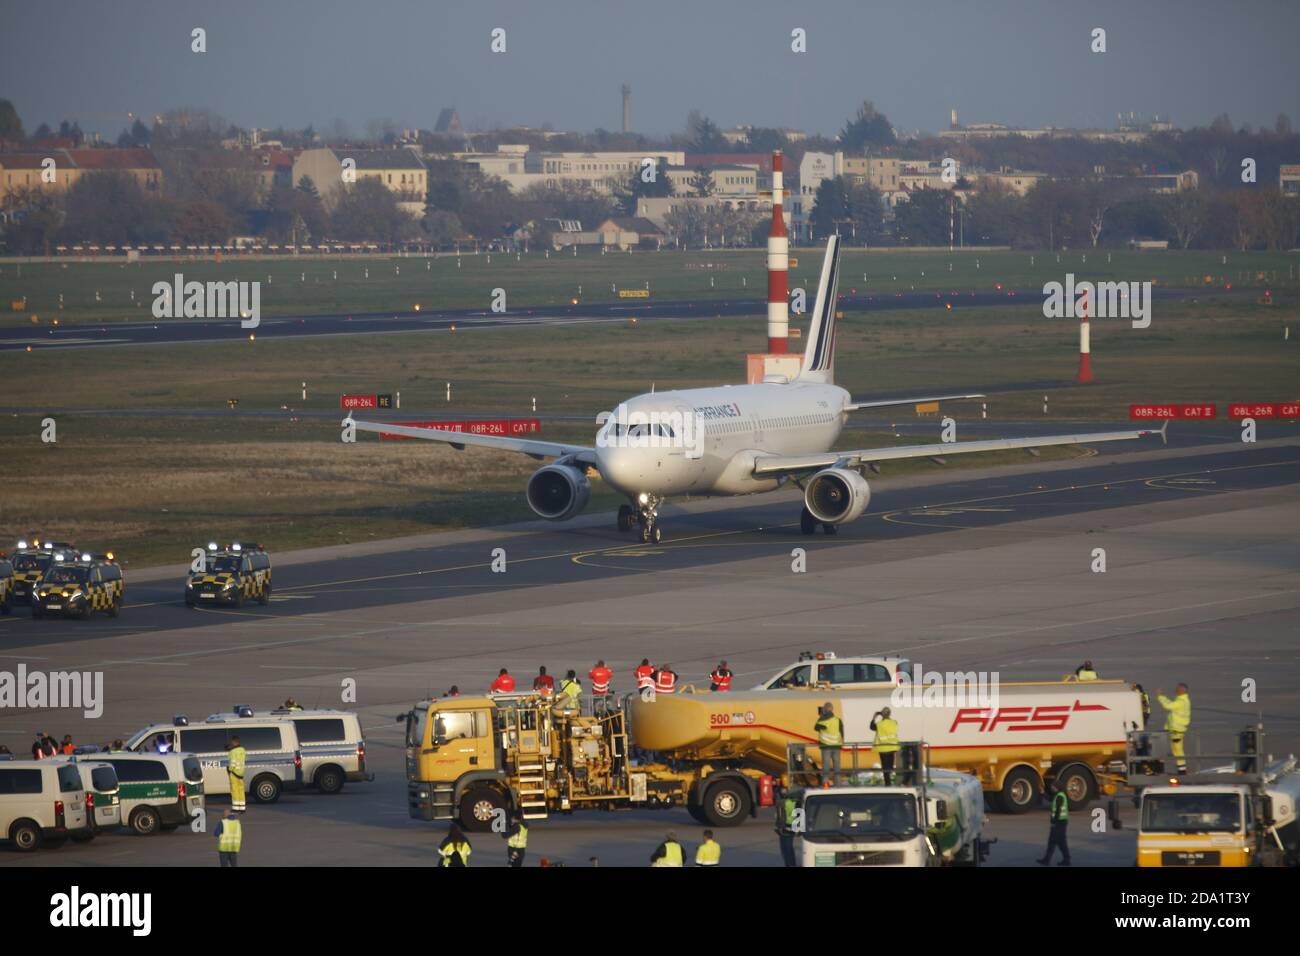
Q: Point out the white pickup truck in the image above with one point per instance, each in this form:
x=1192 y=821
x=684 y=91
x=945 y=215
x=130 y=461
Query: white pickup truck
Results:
x=823 y=670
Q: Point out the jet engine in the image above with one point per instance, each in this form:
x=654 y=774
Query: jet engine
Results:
x=558 y=492
x=836 y=495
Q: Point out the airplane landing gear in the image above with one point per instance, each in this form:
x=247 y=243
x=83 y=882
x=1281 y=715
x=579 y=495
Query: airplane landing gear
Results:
x=808 y=524
x=648 y=506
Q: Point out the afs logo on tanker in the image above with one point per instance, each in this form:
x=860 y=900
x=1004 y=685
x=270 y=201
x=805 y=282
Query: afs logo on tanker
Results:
x=1053 y=717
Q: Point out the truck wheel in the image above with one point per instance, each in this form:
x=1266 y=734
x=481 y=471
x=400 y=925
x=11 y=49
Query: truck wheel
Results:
x=266 y=788
x=1021 y=790
x=697 y=813
x=115 y=607
x=145 y=821
x=25 y=835
x=727 y=803
x=329 y=779
x=265 y=596
x=238 y=599
x=1078 y=784
x=480 y=806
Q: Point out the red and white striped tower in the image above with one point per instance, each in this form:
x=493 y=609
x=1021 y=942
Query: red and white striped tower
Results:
x=778 y=266
x=1085 y=345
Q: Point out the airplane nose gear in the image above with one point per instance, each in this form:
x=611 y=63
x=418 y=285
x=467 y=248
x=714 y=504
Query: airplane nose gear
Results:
x=647 y=512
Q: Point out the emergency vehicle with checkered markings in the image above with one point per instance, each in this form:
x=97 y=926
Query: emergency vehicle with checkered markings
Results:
x=79 y=585
x=230 y=574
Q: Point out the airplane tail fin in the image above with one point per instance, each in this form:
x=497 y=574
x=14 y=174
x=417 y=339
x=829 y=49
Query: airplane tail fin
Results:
x=819 y=354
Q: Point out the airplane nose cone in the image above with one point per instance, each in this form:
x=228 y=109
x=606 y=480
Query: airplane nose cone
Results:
x=621 y=468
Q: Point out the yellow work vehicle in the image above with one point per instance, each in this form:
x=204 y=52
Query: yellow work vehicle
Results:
x=229 y=574
x=31 y=558
x=720 y=754
x=78 y=585
x=1235 y=815
x=475 y=758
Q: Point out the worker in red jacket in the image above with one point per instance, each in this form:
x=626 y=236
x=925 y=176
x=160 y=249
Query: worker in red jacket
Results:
x=645 y=675
x=544 y=683
x=600 y=677
x=720 y=679
x=504 y=684
x=665 y=680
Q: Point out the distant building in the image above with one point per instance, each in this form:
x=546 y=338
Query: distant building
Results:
x=1288 y=180
x=24 y=170
x=448 y=122
x=625 y=232
x=729 y=181
x=1170 y=182
x=269 y=168
x=401 y=171
x=1016 y=180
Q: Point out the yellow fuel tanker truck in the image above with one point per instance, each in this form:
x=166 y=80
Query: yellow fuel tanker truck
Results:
x=720 y=754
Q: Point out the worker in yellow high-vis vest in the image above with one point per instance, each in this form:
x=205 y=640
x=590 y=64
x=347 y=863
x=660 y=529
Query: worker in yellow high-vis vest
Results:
x=885 y=744
x=236 y=763
x=708 y=853
x=668 y=853
x=1178 y=717
x=230 y=838
x=830 y=738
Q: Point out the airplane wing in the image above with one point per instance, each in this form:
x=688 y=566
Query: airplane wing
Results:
x=767 y=466
x=924 y=400
x=458 y=440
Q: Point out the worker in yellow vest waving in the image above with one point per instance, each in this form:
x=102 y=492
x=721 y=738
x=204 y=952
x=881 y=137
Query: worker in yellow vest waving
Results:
x=830 y=736
x=1178 y=717
x=885 y=744
x=230 y=838
x=454 y=849
x=237 y=760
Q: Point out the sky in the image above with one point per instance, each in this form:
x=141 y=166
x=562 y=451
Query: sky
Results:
x=295 y=62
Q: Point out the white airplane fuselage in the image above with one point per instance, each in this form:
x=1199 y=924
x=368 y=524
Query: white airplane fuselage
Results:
x=733 y=425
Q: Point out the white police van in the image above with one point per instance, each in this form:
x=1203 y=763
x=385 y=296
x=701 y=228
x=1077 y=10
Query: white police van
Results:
x=332 y=745
x=42 y=803
x=274 y=763
x=158 y=791
x=103 y=791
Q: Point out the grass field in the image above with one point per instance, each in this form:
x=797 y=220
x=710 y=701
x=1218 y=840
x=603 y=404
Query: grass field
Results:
x=149 y=459
x=311 y=285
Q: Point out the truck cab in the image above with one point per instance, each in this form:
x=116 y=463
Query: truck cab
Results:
x=822 y=670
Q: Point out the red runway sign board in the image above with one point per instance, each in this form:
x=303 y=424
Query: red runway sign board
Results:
x=365 y=401
x=1252 y=410
x=508 y=427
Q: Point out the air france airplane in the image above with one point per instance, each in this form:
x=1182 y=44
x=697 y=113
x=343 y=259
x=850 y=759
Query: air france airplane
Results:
x=731 y=440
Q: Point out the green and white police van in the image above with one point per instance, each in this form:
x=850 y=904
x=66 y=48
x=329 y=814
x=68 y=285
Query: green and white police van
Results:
x=157 y=791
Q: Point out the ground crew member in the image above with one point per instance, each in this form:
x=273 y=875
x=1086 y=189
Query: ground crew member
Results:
x=708 y=853
x=1178 y=716
x=68 y=746
x=665 y=680
x=600 y=677
x=454 y=849
x=1060 y=820
x=644 y=675
x=516 y=841
x=43 y=746
x=571 y=689
x=237 y=759
x=454 y=692
x=668 y=853
x=1085 y=671
x=830 y=737
x=230 y=837
x=785 y=828
x=720 y=679
x=291 y=704
x=504 y=684
x=1146 y=705
x=885 y=744
x=116 y=746
x=544 y=683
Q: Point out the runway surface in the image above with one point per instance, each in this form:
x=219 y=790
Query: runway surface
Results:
x=174 y=331
x=989 y=569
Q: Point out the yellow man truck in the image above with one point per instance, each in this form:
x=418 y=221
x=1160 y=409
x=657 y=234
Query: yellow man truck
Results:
x=1240 y=814
x=719 y=755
